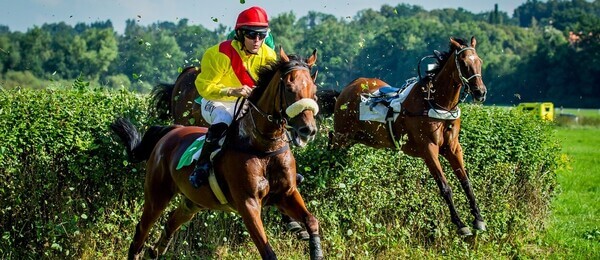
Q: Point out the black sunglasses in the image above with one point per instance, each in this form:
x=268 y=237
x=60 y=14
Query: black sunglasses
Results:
x=253 y=34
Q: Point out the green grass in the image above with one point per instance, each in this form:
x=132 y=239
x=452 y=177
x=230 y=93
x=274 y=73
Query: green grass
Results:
x=574 y=226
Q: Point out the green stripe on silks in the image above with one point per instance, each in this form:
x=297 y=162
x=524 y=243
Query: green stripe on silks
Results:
x=191 y=153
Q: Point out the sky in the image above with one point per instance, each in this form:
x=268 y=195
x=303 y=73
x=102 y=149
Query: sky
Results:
x=21 y=15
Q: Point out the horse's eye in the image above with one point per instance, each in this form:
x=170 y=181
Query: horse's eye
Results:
x=289 y=87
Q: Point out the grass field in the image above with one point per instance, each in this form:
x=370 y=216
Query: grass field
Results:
x=574 y=225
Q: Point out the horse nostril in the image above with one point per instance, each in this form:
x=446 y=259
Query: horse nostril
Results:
x=481 y=95
x=479 y=92
x=307 y=131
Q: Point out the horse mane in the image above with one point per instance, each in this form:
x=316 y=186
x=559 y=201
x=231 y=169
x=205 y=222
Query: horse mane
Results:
x=443 y=57
x=268 y=71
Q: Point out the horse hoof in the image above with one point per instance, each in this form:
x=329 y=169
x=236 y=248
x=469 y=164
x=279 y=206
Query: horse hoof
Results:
x=151 y=253
x=293 y=226
x=299 y=178
x=303 y=235
x=479 y=225
x=464 y=231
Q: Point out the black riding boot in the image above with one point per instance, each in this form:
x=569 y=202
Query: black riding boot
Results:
x=200 y=174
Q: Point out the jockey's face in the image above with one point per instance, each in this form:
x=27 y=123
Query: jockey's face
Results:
x=253 y=40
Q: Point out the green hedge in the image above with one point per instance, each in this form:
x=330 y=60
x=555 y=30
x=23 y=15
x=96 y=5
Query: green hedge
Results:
x=64 y=179
x=67 y=190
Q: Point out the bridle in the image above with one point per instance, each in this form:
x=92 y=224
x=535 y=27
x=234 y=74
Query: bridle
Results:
x=291 y=111
x=464 y=81
x=466 y=91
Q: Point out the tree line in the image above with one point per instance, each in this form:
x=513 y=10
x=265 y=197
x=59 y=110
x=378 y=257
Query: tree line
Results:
x=544 y=51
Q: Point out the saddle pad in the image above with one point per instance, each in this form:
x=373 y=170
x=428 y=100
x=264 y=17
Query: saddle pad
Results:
x=372 y=113
x=373 y=109
x=192 y=153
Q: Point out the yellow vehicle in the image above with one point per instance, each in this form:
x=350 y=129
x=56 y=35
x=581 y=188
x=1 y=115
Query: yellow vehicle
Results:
x=544 y=110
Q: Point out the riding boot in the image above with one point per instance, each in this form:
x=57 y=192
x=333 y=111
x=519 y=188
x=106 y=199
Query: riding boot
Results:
x=200 y=174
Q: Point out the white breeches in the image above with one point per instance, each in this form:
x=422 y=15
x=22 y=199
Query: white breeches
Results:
x=217 y=111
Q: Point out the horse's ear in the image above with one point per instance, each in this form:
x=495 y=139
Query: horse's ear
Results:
x=454 y=43
x=282 y=54
x=314 y=76
x=438 y=55
x=312 y=59
x=473 y=41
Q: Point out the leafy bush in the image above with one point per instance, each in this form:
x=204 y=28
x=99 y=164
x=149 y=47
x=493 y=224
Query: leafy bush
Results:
x=63 y=175
x=68 y=191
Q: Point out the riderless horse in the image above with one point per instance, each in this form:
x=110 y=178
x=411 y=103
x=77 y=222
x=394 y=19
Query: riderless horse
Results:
x=429 y=118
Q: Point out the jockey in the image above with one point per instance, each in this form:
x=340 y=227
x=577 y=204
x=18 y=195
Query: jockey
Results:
x=229 y=71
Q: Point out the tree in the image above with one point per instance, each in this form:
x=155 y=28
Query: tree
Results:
x=34 y=51
x=63 y=51
x=148 y=56
x=100 y=51
x=338 y=45
x=286 y=31
x=10 y=55
x=193 y=40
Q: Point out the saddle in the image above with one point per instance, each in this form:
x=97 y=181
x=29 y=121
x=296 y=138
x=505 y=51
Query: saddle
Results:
x=385 y=103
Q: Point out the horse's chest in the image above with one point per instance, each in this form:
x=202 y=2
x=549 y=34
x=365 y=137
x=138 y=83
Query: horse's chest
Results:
x=275 y=176
x=438 y=132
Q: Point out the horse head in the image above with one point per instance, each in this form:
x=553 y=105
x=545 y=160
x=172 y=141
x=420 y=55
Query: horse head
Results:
x=290 y=97
x=468 y=67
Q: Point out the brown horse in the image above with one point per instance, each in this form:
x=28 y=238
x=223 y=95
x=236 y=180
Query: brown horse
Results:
x=427 y=136
x=255 y=167
x=177 y=101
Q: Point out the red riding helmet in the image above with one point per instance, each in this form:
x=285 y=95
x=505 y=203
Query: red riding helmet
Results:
x=252 y=17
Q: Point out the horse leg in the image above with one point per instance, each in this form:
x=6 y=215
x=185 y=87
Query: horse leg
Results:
x=330 y=140
x=435 y=168
x=183 y=214
x=455 y=158
x=154 y=204
x=290 y=224
x=250 y=211
x=294 y=206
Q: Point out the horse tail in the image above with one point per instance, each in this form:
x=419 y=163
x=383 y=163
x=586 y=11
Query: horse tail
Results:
x=138 y=149
x=160 y=100
x=326 y=99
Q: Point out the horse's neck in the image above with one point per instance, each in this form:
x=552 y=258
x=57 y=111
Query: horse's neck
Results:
x=259 y=124
x=446 y=86
x=257 y=133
